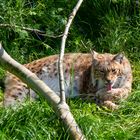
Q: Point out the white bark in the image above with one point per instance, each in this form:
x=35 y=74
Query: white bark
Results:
x=60 y=66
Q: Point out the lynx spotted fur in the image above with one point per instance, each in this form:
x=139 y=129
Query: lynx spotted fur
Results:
x=105 y=78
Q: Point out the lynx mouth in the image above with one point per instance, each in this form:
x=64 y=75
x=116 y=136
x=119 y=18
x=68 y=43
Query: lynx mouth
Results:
x=109 y=86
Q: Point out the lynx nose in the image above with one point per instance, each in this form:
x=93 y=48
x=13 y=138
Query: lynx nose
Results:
x=108 y=80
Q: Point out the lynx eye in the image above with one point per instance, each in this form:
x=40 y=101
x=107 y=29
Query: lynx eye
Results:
x=114 y=71
x=101 y=71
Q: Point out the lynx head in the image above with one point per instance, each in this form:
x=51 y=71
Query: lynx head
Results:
x=108 y=68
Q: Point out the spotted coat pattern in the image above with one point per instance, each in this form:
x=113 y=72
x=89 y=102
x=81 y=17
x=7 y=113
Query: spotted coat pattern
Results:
x=104 y=78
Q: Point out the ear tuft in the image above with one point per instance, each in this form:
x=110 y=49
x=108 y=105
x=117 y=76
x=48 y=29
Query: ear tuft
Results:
x=94 y=54
x=119 y=58
x=94 y=57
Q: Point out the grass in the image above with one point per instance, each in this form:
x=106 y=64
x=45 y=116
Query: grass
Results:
x=109 y=26
x=37 y=121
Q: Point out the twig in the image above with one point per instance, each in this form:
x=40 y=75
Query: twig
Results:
x=63 y=42
x=23 y=28
x=62 y=110
x=42 y=33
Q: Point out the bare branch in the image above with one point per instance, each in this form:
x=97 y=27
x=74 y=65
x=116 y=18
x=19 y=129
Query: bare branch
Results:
x=59 y=105
x=42 y=33
x=62 y=110
x=61 y=74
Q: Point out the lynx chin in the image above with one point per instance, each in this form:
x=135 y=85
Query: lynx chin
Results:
x=102 y=78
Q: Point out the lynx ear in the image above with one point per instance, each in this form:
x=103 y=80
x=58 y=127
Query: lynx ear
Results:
x=94 y=57
x=94 y=54
x=118 y=58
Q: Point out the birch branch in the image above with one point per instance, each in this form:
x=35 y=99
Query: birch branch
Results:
x=62 y=110
x=42 y=33
x=63 y=43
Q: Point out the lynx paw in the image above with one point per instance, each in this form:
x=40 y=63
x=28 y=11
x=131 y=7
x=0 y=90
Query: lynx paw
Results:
x=100 y=93
x=110 y=105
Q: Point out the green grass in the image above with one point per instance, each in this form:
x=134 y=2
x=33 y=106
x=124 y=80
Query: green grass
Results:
x=103 y=25
x=37 y=121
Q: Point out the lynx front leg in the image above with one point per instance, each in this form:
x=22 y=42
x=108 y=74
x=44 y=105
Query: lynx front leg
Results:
x=113 y=94
x=109 y=105
x=116 y=94
x=107 y=102
x=109 y=97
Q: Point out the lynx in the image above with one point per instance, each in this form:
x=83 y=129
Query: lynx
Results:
x=103 y=78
